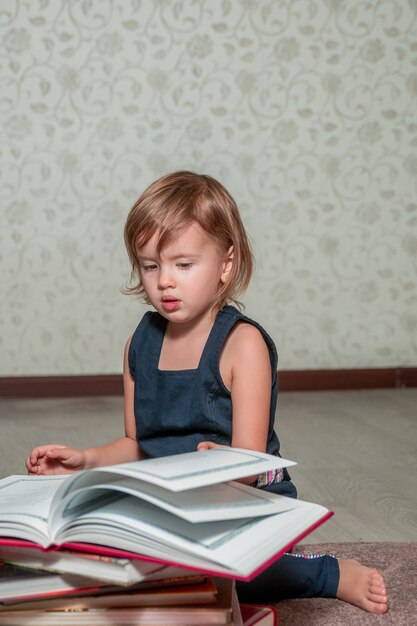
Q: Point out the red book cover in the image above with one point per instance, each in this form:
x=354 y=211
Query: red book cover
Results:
x=257 y=615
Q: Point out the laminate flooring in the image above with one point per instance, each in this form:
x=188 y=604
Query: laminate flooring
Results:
x=356 y=451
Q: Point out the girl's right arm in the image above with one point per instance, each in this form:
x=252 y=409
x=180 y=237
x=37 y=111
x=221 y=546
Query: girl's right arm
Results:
x=59 y=459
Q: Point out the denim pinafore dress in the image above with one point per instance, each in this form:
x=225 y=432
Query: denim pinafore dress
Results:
x=177 y=409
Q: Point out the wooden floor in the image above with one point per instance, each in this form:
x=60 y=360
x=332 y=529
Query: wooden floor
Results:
x=357 y=451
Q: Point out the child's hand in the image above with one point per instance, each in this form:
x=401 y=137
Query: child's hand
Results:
x=209 y=445
x=54 y=459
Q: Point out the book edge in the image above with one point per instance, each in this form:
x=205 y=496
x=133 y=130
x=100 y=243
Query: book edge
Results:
x=114 y=552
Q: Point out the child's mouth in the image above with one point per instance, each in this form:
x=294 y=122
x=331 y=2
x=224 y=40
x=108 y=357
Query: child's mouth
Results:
x=170 y=305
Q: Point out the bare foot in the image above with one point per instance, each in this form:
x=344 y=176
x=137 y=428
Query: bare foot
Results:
x=362 y=586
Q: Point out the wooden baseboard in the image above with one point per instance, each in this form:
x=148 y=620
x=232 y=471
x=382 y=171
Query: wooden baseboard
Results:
x=322 y=380
x=61 y=386
x=289 y=380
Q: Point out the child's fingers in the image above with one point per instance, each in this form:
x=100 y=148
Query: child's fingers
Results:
x=203 y=445
x=37 y=454
x=209 y=445
x=31 y=468
x=61 y=452
x=69 y=457
x=40 y=451
x=34 y=456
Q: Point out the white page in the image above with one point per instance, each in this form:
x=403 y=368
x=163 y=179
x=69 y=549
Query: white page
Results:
x=240 y=546
x=191 y=470
x=24 y=506
x=222 y=501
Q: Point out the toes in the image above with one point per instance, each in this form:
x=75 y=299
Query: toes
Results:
x=377 y=584
x=373 y=606
x=379 y=590
x=376 y=576
x=379 y=608
x=379 y=598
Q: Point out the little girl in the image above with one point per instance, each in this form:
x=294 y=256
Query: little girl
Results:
x=199 y=374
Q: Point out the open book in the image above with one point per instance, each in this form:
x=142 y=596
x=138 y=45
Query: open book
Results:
x=182 y=510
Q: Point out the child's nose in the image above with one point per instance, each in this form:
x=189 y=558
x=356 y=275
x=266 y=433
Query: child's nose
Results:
x=165 y=278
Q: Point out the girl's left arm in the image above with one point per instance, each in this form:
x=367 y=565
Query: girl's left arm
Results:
x=248 y=370
x=245 y=368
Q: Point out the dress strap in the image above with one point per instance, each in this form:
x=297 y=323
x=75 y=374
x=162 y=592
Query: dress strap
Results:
x=226 y=318
x=148 y=337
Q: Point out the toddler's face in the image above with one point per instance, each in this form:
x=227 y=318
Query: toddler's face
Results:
x=183 y=279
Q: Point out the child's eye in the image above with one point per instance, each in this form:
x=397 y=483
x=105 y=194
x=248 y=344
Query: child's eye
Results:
x=184 y=266
x=148 y=268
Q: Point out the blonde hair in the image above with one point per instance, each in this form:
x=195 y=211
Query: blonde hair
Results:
x=178 y=199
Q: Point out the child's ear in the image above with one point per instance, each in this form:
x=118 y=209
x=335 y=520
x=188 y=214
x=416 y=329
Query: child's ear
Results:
x=227 y=265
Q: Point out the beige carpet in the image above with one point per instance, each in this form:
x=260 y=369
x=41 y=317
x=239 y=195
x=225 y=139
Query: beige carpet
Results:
x=396 y=561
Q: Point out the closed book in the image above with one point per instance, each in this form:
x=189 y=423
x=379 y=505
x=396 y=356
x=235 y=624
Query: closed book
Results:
x=20 y=583
x=218 y=613
x=106 y=569
x=258 y=615
x=201 y=590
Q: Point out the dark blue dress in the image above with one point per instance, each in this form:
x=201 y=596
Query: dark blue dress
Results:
x=177 y=409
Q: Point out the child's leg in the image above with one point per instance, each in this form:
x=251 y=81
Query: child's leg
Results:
x=322 y=576
x=292 y=577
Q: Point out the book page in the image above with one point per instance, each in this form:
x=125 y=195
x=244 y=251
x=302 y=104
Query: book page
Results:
x=191 y=470
x=235 y=546
x=24 y=506
x=230 y=500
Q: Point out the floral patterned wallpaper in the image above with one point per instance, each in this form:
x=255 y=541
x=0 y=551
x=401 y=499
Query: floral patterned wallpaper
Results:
x=305 y=109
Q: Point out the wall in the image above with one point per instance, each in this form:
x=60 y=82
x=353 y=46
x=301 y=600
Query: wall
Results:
x=305 y=110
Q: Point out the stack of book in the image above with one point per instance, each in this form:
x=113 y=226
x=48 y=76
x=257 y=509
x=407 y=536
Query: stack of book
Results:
x=158 y=541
